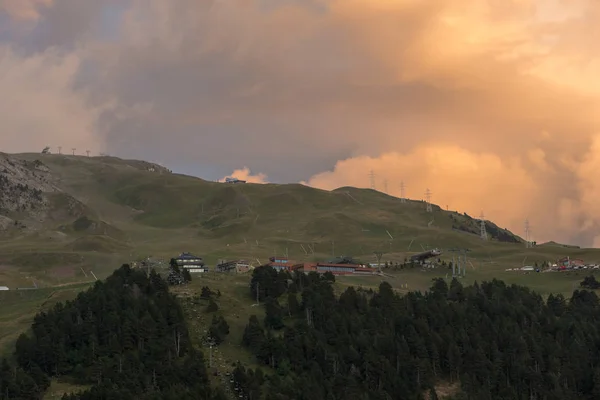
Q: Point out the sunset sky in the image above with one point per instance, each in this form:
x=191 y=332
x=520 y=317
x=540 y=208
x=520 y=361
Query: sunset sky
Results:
x=494 y=105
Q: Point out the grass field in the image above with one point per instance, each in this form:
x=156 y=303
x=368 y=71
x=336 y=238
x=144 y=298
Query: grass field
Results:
x=58 y=388
x=421 y=279
x=235 y=304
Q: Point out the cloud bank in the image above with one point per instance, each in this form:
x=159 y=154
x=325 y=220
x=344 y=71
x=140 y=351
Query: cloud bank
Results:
x=492 y=105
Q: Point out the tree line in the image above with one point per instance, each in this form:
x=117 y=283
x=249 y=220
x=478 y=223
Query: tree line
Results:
x=124 y=338
x=492 y=340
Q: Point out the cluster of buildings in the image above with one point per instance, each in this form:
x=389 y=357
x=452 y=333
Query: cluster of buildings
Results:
x=568 y=263
x=195 y=264
x=563 y=264
x=340 y=266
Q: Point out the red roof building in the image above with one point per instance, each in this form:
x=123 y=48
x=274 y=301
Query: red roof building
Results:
x=338 y=269
x=282 y=263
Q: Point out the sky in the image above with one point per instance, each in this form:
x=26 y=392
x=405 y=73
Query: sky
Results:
x=491 y=104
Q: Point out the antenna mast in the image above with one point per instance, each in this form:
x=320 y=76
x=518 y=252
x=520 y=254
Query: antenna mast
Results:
x=402 y=194
x=527 y=234
x=372 y=178
x=483 y=232
x=385 y=186
x=428 y=197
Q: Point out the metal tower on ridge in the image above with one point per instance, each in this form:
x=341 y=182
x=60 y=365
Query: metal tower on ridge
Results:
x=483 y=232
x=428 y=200
x=372 y=178
x=385 y=186
x=402 y=194
x=527 y=234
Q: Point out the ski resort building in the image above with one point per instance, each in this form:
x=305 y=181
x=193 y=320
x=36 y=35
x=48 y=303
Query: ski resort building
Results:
x=338 y=269
x=191 y=262
x=570 y=263
x=282 y=263
x=237 y=266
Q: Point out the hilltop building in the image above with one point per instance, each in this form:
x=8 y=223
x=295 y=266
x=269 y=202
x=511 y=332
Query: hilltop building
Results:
x=4 y=288
x=234 y=180
x=191 y=262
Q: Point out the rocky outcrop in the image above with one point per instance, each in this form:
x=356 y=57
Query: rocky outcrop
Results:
x=24 y=186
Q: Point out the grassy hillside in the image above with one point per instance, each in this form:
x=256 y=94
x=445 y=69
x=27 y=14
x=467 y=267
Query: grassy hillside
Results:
x=104 y=211
x=100 y=212
x=109 y=206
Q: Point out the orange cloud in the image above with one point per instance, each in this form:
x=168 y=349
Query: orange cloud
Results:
x=458 y=179
x=491 y=104
x=24 y=9
x=244 y=174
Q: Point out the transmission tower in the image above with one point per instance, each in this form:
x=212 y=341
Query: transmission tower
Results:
x=73 y=150
x=385 y=186
x=372 y=178
x=527 y=234
x=483 y=232
x=402 y=194
x=378 y=256
x=428 y=200
x=454 y=269
x=87 y=152
x=59 y=149
x=464 y=266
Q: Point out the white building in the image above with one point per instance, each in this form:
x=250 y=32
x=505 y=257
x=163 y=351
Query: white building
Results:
x=191 y=263
x=3 y=287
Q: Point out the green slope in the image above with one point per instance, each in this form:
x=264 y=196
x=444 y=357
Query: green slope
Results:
x=107 y=211
x=108 y=205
